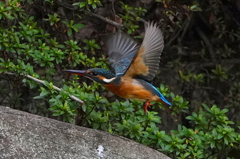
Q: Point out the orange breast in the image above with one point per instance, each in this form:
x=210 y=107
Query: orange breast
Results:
x=131 y=89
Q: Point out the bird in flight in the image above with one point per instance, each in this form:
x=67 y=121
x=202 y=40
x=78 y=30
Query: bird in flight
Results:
x=133 y=66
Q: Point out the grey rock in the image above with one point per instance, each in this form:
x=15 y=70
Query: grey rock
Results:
x=24 y=135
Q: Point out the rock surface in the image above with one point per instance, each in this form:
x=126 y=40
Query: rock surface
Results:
x=24 y=135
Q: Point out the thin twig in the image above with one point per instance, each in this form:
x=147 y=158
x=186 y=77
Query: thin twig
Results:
x=117 y=25
x=113 y=9
x=203 y=64
x=139 y=18
x=54 y=87
x=175 y=35
x=186 y=26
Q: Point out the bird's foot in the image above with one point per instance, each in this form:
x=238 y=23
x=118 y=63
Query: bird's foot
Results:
x=146 y=105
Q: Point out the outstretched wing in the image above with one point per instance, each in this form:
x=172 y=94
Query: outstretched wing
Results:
x=146 y=63
x=121 y=50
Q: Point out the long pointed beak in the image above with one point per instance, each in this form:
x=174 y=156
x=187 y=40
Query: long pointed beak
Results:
x=77 y=72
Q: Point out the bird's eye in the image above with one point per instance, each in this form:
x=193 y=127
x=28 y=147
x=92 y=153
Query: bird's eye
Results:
x=94 y=73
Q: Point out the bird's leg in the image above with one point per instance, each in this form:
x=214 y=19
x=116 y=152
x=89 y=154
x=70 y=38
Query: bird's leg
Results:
x=146 y=105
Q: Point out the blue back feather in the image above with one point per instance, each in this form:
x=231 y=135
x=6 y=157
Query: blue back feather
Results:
x=121 y=50
x=154 y=91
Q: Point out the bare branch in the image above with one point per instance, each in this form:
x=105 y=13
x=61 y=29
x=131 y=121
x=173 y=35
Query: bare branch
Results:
x=117 y=25
x=139 y=18
x=175 y=35
x=42 y=82
x=203 y=64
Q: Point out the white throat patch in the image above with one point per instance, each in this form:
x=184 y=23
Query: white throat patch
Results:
x=109 y=80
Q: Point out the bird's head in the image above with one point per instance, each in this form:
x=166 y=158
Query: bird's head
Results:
x=99 y=75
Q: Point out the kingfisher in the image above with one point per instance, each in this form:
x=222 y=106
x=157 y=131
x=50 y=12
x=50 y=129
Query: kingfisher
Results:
x=133 y=66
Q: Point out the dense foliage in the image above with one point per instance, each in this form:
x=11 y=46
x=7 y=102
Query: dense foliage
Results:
x=200 y=64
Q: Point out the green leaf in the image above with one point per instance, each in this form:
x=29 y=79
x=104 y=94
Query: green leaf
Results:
x=76 y=3
x=44 y=92
x=75 y=29
x=84 y=107
x=206 y=107
x=8 y=16
x=69 y=32
x=38 y=97
x=79 y=25
x=82 y=4
x=94 y=6
x=58 y=113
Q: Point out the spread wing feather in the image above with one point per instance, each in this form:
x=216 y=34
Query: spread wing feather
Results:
x=146 y=63
x=121 y=50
